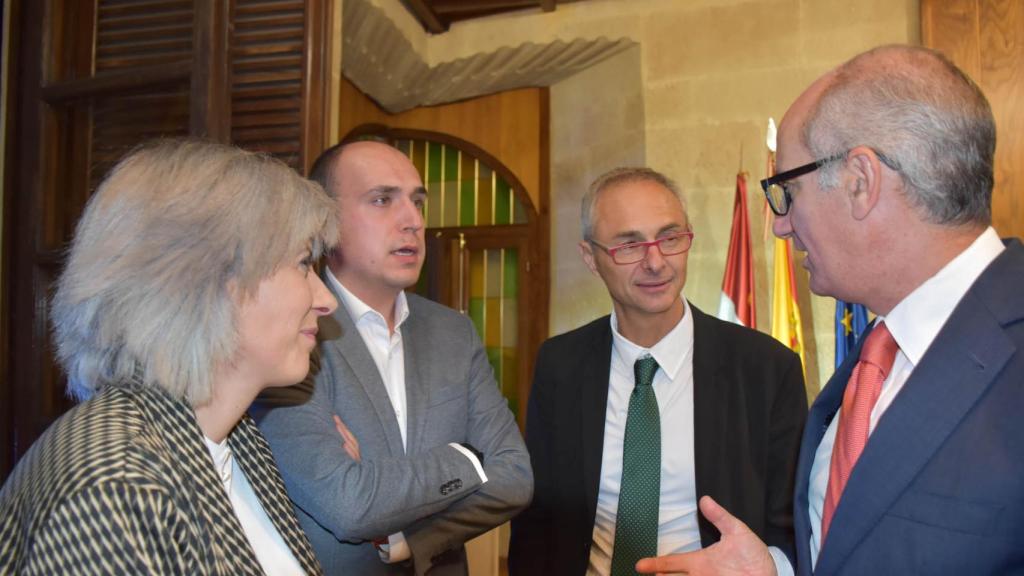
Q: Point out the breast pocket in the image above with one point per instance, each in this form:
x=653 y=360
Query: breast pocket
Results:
x=942 y=511
x=447 y=414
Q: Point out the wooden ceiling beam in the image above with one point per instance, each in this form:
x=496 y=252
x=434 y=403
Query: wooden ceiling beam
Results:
x=426 y=15
x=442 y=7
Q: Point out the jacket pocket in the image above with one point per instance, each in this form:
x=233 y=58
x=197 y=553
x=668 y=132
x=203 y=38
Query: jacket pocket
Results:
x=950 y=513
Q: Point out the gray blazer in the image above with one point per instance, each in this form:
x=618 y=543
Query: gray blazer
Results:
x=431 y=493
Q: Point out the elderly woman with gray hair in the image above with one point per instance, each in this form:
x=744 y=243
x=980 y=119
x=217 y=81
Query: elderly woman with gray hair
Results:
x=187 y=291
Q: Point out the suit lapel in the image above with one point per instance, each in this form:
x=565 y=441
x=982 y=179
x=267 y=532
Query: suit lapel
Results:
x=710 y=414
x=960 y=365
x=417 y=391
x=819 y=417
x=591 y=388
x=349 y=345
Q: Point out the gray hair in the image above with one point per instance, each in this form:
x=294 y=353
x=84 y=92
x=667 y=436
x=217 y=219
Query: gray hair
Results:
x=145 y=293
x=621 y=176
x=924 y=117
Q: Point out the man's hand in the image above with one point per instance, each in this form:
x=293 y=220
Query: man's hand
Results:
x=351 y=444
x=739 y=553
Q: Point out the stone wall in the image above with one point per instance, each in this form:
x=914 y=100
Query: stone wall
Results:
x=693 y=101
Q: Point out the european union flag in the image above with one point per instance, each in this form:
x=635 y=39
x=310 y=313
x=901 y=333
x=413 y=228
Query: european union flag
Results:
x=851 y=319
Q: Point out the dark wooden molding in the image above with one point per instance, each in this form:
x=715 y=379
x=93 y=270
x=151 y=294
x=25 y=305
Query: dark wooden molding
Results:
x=426 y=15
x=63 y=92
x=316 y=85
x=20 y=394
x=210 y=101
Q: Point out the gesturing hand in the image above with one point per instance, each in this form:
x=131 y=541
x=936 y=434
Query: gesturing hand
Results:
x=351 y=443
x=739 y=552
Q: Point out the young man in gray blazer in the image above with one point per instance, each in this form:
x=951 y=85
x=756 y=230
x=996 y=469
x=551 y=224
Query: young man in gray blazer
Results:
x=405 y=447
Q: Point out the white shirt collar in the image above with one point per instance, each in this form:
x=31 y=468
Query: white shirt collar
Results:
x=361 y=311
x=666 y=351
x=917 y=319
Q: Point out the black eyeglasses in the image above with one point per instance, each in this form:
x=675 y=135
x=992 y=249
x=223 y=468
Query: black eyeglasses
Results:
x=633 y=252
x=775 y=187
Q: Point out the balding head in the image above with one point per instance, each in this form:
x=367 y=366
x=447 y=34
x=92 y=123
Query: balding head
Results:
x=923 y=116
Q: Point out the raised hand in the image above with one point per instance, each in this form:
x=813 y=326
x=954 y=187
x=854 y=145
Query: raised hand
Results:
x=739 y=552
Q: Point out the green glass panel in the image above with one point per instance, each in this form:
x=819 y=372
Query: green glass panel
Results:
x=510 y=276
x=494 y=269
x=422 y=161
x=519 y=214
x=451 y=183
x=502 y=202
x=484 y=195
x=450 y=212
x=476 y=314
x=509 y=378
x=494 y=357
x=434 y=158
x=467 y=191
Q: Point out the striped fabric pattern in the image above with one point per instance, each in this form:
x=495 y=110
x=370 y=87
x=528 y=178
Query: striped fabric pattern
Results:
x=123 y=484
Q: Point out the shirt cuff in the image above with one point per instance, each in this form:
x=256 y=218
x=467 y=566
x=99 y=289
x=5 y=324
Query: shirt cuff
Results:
x=396 y=550
x=472 y=458
x=782 y=565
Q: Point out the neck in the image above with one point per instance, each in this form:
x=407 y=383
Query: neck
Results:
x=380 y=299
x=226 y=406
x=646 y=330
x=922 y=251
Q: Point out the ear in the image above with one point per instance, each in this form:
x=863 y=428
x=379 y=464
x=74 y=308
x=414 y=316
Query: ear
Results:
x=866 y=187
x=587 y=253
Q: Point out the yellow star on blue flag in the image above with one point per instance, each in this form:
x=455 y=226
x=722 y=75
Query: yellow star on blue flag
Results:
x=851 y=319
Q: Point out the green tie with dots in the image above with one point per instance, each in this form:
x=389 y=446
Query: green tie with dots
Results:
x=636 y=524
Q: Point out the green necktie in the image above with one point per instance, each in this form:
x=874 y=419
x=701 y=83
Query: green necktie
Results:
x=636 y=524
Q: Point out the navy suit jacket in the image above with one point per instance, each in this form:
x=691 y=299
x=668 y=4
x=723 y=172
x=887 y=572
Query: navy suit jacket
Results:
x=939 y=488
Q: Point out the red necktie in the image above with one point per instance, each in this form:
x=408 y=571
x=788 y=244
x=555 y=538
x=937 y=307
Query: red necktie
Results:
x=861 y=394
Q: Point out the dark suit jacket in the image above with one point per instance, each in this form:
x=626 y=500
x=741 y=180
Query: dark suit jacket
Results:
x=749 y=409
x=124 y=484
x=938 y=488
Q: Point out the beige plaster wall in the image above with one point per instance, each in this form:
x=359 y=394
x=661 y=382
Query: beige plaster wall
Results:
x=711 y=72
x=597 y=123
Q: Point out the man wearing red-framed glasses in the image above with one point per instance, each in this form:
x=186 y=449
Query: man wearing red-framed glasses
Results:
x=635 y=416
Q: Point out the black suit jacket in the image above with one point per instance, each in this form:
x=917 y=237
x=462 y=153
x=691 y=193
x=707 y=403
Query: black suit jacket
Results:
x=749 y=410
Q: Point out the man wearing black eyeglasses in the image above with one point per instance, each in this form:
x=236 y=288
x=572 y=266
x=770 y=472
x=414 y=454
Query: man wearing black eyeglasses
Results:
x=913 y=454
x=636 y=415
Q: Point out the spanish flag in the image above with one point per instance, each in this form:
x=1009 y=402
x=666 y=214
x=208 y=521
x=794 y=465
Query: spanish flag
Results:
x=737 y=303
x=785 y=310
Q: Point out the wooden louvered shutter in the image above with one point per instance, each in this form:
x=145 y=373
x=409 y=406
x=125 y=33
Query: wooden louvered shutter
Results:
x=275 y=106
x=94 y=78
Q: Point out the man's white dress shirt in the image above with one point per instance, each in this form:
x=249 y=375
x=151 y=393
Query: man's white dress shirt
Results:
x=673 y=387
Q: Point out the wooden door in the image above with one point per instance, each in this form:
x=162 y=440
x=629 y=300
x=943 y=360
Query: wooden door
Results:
x=985 y=38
